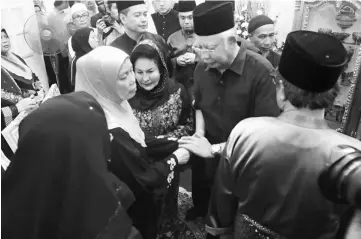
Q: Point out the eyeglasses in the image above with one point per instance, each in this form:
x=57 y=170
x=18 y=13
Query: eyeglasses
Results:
x=201 y=50
x=77 y=17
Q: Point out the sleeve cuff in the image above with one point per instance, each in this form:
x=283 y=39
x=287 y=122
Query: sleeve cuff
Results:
x=218 y=231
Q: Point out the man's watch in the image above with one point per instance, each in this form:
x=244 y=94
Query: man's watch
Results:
x=215 y=150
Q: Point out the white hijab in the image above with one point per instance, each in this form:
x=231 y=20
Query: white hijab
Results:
x=96 y=74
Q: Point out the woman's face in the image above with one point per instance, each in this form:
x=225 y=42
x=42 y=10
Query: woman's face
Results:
x=146 y=73
x=93 y=40
x=5 y=43
x=125 y=85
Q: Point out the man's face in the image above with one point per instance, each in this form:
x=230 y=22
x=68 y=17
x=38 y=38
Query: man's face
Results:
x=81 y=19
x=186 y=20
x=90 y=5
x=136 y=20
x=264 y=38
x=162 y=6
x=212 y=50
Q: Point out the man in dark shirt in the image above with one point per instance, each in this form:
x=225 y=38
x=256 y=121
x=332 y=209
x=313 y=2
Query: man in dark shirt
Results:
x=231 y=84
x=133 y=15
x=180 y=43
x=262 y=31
x=165 y=18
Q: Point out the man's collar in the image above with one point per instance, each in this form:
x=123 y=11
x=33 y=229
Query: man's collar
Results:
x=297 y=117
x=164 y=15
x=237 y=65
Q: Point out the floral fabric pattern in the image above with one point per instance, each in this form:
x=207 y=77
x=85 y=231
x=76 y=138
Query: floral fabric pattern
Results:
x=166 y=119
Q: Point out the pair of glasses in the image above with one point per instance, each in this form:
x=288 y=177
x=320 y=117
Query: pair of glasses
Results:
x=78 y=18
x=201 y=50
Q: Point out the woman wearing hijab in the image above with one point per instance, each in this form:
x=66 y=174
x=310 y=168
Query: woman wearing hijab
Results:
x=18 y=87
x=145 y=164
x=83 y=41
x=58 y=184
x=161 y=105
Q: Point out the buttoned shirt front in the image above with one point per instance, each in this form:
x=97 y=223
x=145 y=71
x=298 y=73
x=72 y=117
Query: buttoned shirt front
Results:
x=244 y=90
x=166 y=24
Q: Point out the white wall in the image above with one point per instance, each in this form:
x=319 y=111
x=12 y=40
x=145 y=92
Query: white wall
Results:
x=14 y=14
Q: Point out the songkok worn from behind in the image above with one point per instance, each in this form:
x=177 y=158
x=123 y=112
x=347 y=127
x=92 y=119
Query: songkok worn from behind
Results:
x=211 y=19
x=122 y=5
x=258 y=21
x=312 y=61
x=186 y=6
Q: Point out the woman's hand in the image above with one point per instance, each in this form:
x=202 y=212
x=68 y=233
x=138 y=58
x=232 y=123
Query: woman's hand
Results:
x=27 y=103
x=182 y=156
x=196 y=144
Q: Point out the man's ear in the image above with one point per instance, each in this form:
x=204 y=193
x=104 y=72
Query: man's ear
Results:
x=122 y=18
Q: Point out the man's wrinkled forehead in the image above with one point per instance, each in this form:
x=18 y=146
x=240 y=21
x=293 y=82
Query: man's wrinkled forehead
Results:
x=140 y=8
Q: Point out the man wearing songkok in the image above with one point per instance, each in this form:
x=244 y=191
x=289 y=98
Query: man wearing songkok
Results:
x=181 y=42
x=165 y=18
x=262 y=34
x=133 y=15
x=231 y=84
x=268 y=174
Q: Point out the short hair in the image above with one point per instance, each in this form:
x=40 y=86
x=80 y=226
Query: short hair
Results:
x=147 y=51
x=58 y=3
x=300 y=98
x=71 y=3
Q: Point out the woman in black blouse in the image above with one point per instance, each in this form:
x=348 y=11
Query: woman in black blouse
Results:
x=145 y=164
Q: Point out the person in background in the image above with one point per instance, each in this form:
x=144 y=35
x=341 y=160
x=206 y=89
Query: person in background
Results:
x=101 y=8
x=268 y=175
x=58 y=184
x=231 y=84
x=116 y=29
x=19 y=85
x=37 y=9
x=81 y=19
x=92 y=7
x=133 y=15
x=262 y=34
x=146 y=164
x=165 y=18
x=181 y=43
x=161 y=106
x=83 y=41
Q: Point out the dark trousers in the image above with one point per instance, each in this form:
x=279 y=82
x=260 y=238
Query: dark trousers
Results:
x=203 y=173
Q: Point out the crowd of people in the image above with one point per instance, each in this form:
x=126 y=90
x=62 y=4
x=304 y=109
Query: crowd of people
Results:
x=146 y=96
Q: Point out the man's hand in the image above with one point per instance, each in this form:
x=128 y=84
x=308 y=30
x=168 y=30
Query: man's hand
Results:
x=181 y=60
x=100 y=26
x=197 y=145
x=190 y=58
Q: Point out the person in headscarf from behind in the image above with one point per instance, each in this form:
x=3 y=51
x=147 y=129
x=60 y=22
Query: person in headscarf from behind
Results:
x=58 y=184
x=83 y=41
x=18 y=87
x=161 y=105
x=146 y=164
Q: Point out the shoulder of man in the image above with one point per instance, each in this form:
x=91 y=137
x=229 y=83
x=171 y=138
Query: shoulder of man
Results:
x=260 y=62
x=173 y=35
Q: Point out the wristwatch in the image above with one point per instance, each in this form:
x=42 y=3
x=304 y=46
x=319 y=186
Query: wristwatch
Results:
x=215 y=150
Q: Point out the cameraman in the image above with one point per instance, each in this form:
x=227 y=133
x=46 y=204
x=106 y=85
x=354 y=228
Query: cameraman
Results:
x=340 y=183
x=108 y=18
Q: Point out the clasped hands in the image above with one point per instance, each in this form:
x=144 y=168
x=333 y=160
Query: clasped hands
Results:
x=196 y=144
